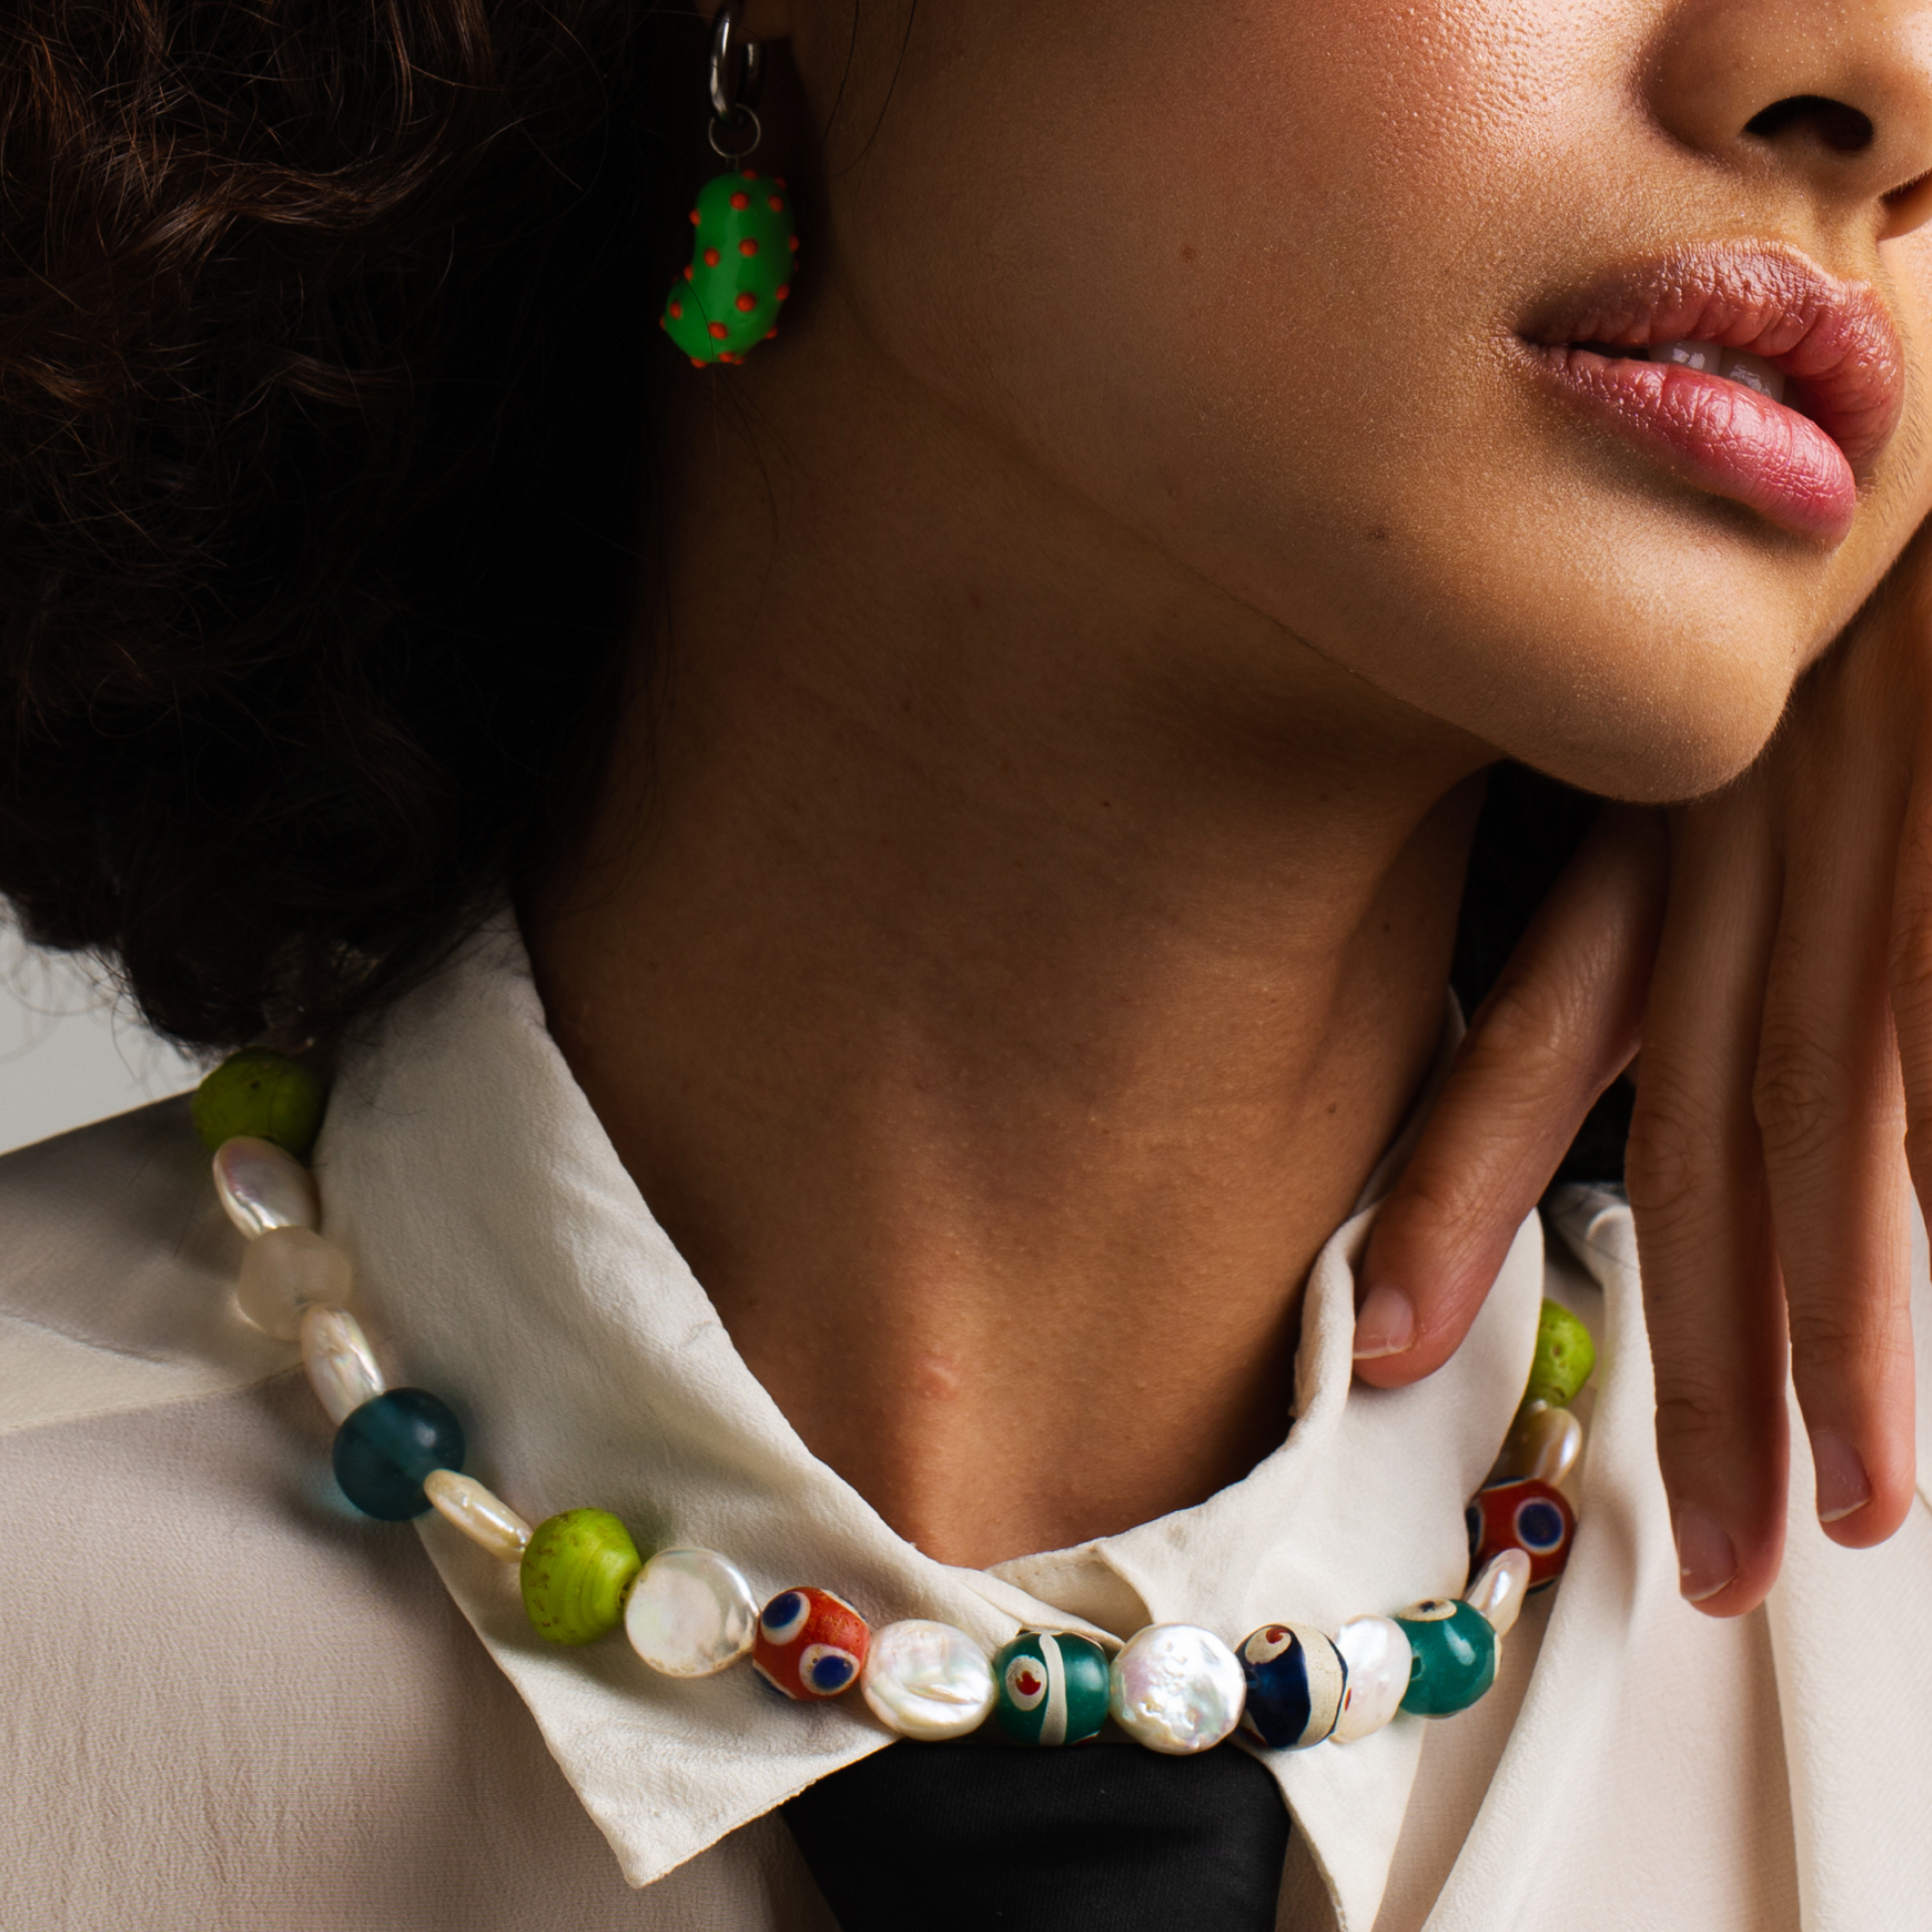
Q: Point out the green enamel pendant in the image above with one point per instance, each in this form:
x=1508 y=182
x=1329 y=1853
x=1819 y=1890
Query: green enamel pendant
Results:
x=746 y=248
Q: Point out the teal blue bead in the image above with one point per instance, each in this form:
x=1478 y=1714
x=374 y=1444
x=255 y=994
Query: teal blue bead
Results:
x=1453 y=1656
x=1049 y=1687
x=385 y=1449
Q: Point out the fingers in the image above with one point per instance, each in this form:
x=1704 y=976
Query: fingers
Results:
x=1561 y=1024
x=1695 y=1176
x=1830 y=1116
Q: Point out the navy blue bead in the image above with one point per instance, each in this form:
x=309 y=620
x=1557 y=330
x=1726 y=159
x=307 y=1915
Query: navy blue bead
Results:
x=385 y=1449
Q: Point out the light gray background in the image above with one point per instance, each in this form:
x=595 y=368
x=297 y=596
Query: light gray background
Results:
x=69 y=1052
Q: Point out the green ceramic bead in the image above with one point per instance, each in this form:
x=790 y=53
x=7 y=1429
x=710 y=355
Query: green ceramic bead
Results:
x=262 y=1094
x=1565 y=1356
x=743 y=258
x=578 y=1570
x=1453 y=1656
x=1049 y=1687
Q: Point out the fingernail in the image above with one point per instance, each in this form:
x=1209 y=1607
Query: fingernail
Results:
x=1385 y=1324
x=1844 y=1488
x=1706 y=1561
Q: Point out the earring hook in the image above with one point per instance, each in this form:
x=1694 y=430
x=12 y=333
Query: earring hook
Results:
x=733 y=93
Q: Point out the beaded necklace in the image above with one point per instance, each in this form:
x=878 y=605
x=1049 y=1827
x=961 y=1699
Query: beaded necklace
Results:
x=1174 y=1687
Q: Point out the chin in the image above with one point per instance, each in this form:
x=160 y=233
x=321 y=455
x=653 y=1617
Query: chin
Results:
x=1674 y=718
x=1639 y=645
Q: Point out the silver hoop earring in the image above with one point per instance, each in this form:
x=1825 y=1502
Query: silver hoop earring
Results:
x=733 y=95
x=746 y=251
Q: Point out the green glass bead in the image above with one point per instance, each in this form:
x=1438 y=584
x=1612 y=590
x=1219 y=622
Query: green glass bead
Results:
x=1565 y=1356
x=742 y=262
x=262 y=1094
x=1049 y=1687
x=1453 y=1656
x=578 y=1570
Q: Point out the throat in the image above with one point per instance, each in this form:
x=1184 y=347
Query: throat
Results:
x=1014 y=1224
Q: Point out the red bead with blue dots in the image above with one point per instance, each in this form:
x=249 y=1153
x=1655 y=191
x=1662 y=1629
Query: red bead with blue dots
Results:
x=810 y=1643
x=1528 y=1515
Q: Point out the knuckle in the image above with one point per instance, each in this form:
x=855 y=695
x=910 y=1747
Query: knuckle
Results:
x=1802 y=1097
x=1694 y=1422
x=1543 y=1026
x=1847 y=1341
x=1675 y=1157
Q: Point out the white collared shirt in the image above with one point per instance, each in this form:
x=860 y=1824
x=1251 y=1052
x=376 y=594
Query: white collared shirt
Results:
x=295 y=1717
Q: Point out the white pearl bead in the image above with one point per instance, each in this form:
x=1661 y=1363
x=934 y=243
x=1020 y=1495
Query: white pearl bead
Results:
x=1500 y=1588
x=1177 y=1688
x=486 y=1519
x=285 y=1271
x=342 y=1367
x=926 y=1680
x=1376 y=1651
x=1544 y=1441
x=263 y=1187
x=691 y=1614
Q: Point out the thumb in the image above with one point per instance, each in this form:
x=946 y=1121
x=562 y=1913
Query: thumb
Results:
x=1562 y=1022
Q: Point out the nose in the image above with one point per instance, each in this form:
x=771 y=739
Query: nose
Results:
x=1833 y=95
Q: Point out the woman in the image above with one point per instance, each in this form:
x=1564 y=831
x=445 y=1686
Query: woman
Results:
x=982 y=785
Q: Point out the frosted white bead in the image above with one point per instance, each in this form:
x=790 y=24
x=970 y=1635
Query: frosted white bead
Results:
x=1500 y=1588
x=1177 y=1688
x=1376 y=1651
x=483 y=1517
x=341 y=1368
x=1544 y=1441
x=263 y=1187
x=926 y=1680
x=691 y=1614
x=285 y=1271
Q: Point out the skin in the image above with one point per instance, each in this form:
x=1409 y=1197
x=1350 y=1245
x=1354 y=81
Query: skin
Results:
x=1019 y=910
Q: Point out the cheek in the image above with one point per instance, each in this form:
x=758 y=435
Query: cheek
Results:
x=1253 y=291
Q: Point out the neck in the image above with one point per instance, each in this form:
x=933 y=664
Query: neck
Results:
x=999 y=958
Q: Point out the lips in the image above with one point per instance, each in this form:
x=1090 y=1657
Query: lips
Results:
x=1798 y=462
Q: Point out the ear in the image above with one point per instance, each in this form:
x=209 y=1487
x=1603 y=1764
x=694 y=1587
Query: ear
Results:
x=761 y=20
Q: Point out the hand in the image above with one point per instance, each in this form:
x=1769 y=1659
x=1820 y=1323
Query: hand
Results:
x=1786 y=1082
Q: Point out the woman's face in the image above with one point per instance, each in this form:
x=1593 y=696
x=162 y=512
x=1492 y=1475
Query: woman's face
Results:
x=1298 y=289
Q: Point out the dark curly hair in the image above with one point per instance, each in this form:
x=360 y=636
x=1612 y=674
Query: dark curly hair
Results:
x=325 y=337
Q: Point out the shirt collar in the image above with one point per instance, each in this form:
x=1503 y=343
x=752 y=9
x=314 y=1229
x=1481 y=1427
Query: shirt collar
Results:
x=509 y=1263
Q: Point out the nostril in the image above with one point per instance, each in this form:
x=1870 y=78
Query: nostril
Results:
x=1841 y=128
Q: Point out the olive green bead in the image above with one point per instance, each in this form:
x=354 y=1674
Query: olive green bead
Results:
x=259 y=1093
x=578 y=1570
x=1565 y=1356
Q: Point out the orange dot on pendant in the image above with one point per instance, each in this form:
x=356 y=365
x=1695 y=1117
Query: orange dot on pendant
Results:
x=777 y=204
x=794 y=245
x=751 y=174
x=711 y=258
x=697 y=361
x=741 y=199
x=694 y=218
x=719 y=332
x=748 y=246
x=778 y=181
x=784 y=292
x=687 y=272
x=746 y=304
x=677 y=310
x=772 y=330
